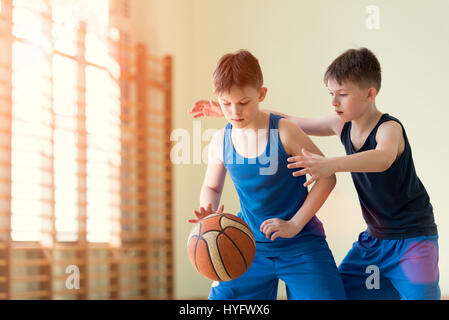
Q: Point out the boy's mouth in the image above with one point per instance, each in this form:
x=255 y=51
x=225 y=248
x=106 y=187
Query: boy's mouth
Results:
x=237 y=120
x=339 y=112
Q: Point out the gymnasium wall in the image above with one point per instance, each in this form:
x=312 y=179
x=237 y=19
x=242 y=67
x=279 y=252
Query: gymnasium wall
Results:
x=295 y=41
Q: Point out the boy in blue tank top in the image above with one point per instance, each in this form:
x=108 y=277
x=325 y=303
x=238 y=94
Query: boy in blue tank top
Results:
x=253 y=148
x=400 y=243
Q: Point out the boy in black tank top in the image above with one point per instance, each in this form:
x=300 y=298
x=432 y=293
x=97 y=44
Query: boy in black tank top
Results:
x=399 y=249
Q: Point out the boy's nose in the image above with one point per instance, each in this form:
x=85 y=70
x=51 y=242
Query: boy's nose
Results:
x=335 y=102
x=236 y=110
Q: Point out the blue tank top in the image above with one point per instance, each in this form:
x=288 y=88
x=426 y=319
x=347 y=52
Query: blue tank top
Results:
x=395 y=204
x=267 y=189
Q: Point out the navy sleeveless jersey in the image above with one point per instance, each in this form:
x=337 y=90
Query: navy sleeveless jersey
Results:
x=395 y=204
x=267 y=189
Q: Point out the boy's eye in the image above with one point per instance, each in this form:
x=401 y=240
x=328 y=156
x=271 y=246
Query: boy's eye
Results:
x=226 y=104
x=343 y=94
x=244 y=103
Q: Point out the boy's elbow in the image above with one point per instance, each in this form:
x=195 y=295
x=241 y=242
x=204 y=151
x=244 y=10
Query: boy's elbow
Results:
x=214 y=189
x=387 y=163
x=332 y=181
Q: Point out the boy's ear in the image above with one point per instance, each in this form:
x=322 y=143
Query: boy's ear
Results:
x=372 y=93
x=262 y=93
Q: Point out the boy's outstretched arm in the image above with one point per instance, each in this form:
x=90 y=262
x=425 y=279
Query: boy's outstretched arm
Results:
x=390 y=145
x=322 y=126
x=293 y=139
x=327 y=125
x=214 y=179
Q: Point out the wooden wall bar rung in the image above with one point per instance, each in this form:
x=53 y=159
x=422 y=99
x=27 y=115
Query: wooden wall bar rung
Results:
x=104 y=289
x=36 y=278
x=102 y=275
x=63 y=277
x=30 y=263
x=67 y=292
x=68 y=247
x=78 y=261
x=133 y=286
x=133 y=274
x=134 y=298
x=30 y=294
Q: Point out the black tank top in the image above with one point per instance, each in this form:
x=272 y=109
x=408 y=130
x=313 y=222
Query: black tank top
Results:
x=395 y=204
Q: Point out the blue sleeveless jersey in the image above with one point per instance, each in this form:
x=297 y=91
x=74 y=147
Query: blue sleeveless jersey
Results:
x=267 y=189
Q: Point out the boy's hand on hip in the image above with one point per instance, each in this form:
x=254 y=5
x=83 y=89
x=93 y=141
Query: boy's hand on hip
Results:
x=206 y=108
x=313 y=164
x=274 y=228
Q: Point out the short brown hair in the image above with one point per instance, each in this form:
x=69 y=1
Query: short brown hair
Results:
x=359 y=66
x=239 y=69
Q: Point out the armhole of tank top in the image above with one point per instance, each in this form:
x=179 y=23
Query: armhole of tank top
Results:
x=279 y=142
x=390 y=118
x=404 y=135
x=228 y=126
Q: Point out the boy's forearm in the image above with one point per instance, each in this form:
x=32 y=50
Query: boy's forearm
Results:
x=209 y=195
x=366 y=161
x=314 y=201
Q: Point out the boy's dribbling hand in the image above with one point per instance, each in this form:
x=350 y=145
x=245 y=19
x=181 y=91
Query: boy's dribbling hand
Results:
x=274 y=228
x=204 y=213
x=206 y=108
x=315 y=165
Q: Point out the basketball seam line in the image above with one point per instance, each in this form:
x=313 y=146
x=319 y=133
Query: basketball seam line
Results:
x=221 y=258
x=196 y=246
x=251 y=240
x=210 y=258
x=200 y=237
x=219 y=251
x=235 y=245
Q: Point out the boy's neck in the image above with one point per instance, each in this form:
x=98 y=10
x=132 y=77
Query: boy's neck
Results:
x=368 y=119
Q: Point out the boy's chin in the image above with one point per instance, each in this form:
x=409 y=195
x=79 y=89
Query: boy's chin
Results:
x=238 y=124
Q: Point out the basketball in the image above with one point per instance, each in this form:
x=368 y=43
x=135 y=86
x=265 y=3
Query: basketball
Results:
x=221 y=247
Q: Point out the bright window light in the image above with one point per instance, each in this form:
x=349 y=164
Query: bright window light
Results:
x=45 y=121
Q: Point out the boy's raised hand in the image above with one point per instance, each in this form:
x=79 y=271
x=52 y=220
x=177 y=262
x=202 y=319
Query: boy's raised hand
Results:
x=315 y=165
x=206 y=108
x=204 y=212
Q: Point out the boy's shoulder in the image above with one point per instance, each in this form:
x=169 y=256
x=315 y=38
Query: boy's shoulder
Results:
x=215 y=151
x=218 y=137
x=388 y=127
x=391 y=132
x=290 y=135
x=288 y=129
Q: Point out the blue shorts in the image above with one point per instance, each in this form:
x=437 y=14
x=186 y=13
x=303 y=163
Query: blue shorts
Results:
x=391 y=269
x=307 y=275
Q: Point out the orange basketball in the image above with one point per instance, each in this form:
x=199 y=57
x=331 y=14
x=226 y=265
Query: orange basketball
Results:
x=221 y=247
